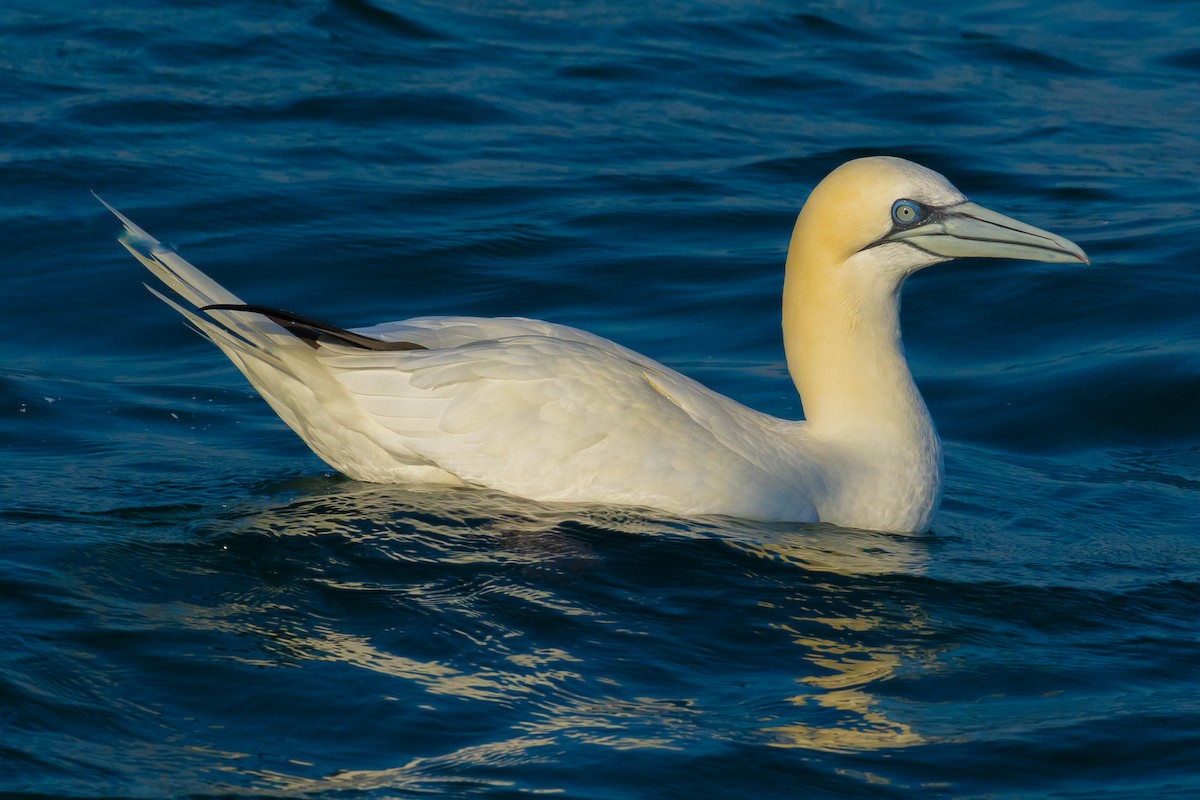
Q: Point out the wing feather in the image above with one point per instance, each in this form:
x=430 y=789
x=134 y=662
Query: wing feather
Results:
x=560 y=416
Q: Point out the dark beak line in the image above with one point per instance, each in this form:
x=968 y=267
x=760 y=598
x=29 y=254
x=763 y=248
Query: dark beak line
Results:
x=998 y=225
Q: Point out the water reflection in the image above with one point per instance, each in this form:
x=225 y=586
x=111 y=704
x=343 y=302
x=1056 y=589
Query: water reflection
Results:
x=842 y=685
x=509 y=632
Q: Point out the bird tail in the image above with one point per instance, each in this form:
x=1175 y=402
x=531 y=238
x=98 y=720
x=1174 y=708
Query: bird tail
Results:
x=277 y=352
x=278 y=364
x=252 y=325
x=239 y=335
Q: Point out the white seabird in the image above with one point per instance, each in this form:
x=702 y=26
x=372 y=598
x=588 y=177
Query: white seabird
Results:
x=554 y=413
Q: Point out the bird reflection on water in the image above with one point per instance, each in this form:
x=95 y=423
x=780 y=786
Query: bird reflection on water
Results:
x=536 y=622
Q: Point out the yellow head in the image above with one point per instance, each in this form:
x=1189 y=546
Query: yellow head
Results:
x=892 y=217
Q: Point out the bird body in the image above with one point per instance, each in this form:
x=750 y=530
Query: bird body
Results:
x=553 y=413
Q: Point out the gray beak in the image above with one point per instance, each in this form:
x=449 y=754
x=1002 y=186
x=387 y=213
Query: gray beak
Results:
x=968 y=230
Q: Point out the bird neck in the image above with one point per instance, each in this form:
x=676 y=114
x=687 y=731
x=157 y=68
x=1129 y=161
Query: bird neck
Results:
x=842 y=339
x=841 y=326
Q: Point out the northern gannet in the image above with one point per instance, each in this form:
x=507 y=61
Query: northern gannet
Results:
x=554 y=413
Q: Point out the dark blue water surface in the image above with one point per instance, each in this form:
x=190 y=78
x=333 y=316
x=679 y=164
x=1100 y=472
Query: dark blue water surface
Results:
x=193 y=605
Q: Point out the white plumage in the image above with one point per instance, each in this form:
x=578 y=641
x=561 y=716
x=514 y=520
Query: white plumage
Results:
x=554 y=413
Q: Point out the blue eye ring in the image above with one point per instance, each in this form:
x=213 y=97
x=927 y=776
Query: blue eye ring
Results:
x=905 y=212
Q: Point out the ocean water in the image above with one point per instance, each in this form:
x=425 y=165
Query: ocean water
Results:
x=193 y=605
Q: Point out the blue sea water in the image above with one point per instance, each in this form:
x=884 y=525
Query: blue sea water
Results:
x=193 y=605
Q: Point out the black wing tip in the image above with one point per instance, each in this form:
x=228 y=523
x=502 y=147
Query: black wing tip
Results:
x=314 y=332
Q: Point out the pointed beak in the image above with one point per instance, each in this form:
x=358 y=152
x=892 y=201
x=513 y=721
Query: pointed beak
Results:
x=968 y=230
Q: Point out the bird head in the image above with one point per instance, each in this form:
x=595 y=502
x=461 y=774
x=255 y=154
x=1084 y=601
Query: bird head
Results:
x=888 y=218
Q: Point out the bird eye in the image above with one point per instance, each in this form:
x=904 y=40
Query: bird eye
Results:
x=905 y=212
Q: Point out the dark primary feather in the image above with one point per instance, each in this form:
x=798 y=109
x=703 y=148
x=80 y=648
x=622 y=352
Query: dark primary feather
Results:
x=313 y=332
